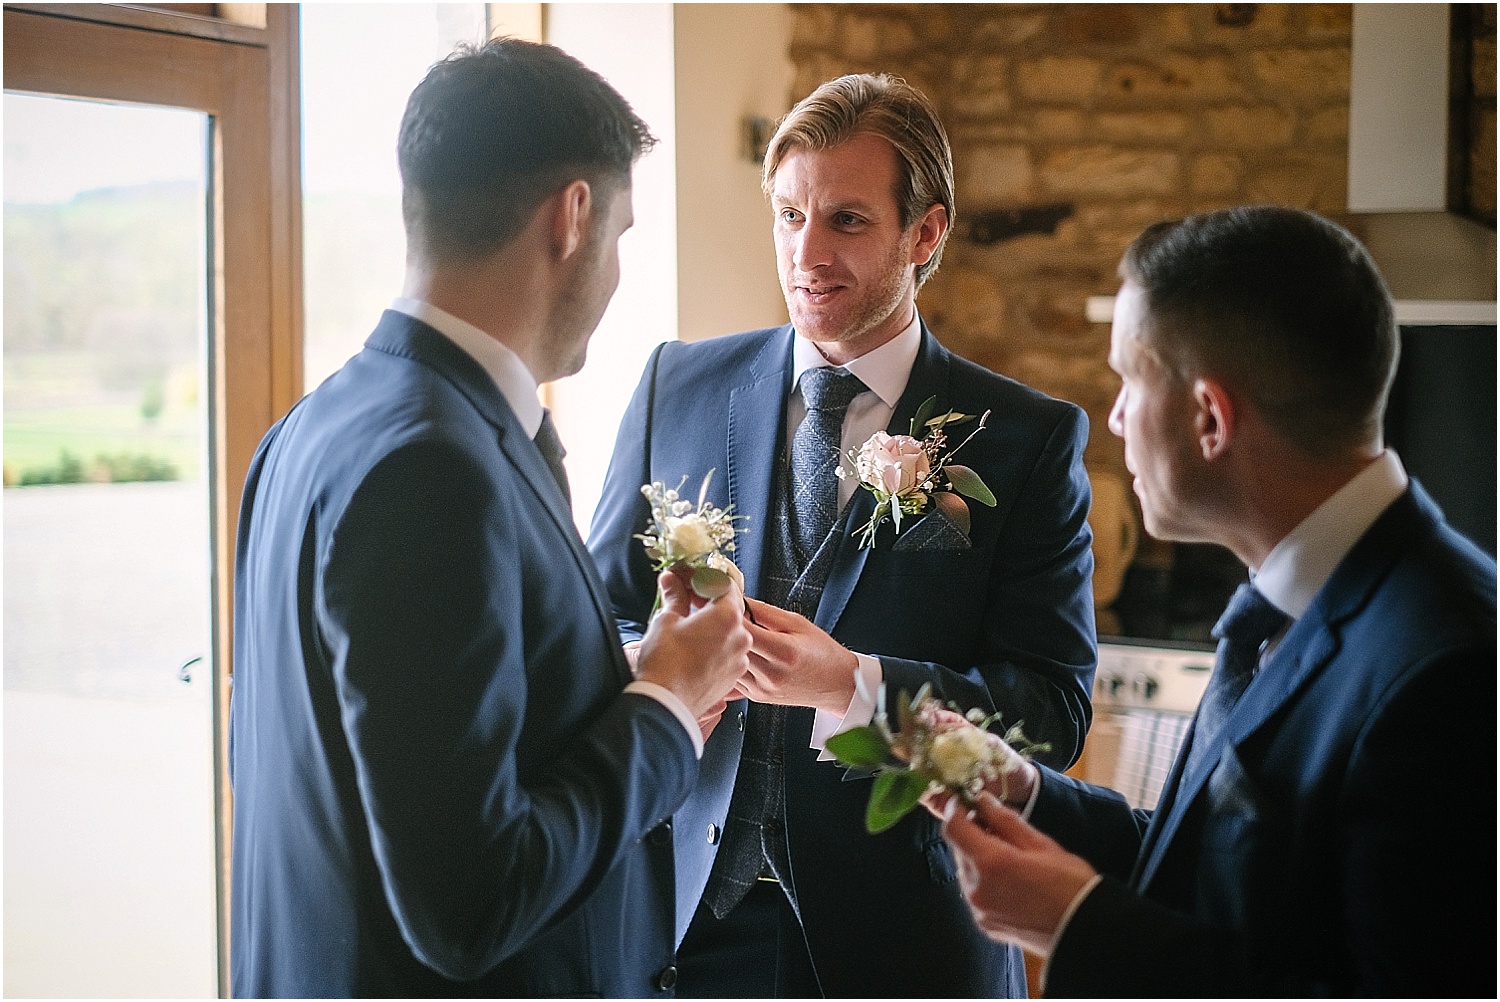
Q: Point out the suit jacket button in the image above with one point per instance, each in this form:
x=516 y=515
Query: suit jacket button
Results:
x=667 y=979
x=739 y=719
x=661 y=835
x=713 y=833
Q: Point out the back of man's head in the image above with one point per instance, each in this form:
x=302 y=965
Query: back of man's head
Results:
x=1281 y=304
x=493 y=131
x=885 y=106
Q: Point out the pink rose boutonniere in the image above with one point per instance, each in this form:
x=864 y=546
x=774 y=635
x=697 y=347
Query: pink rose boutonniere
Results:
x=908 y=474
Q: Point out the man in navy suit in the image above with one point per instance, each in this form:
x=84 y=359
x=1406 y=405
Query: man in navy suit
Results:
x=1329 y=828
x=787 y=893
x=446 y=781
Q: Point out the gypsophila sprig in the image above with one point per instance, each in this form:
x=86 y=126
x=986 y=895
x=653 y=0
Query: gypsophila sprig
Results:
x=932 y=747
x=699 y=537
x=908 y=474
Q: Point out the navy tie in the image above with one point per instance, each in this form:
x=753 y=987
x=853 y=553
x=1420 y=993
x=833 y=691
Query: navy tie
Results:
x=551 y=448
x=1248 y=622
x=815 y=456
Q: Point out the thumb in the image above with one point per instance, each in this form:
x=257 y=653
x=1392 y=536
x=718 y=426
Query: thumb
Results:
x=674 y=594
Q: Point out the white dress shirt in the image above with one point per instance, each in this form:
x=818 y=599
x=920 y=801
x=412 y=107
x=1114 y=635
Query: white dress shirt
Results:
x=886 y=371
x=1300 y=565
x=519 y=388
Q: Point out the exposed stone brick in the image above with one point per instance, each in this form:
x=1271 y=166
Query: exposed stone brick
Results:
x=992 y=27
x=1215 y=174
x=1097 y=24
x=981 y=86
x=1176 y=79
x=859 y=38
x=1173 y=25
x=1108 y=171
x=1059 y=79
x=1307 y=73
x=1244 y=25
x=994 y=175
x=1256 y=127
x=1320 y=183
x=1330 y=126
x=1330 y=22
x=1059 y=123
x=1141 y=126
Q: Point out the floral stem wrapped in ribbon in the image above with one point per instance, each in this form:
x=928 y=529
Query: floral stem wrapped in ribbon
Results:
x=933 y=747
x=908 y=474
x=697 y=538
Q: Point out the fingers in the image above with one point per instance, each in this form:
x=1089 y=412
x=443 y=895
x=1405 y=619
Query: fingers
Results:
x=674 y=593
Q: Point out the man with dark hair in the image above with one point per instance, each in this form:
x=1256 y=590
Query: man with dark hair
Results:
x=446 y=781
x=1328 y=828
x=787 y=893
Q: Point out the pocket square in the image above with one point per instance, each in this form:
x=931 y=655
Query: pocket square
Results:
x=933 y=531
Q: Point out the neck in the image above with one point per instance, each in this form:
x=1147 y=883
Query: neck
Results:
x=843 y=352
x=493 y=294
x=1263 y=506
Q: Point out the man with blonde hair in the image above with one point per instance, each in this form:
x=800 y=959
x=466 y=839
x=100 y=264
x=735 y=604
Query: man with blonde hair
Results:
x=781 y=891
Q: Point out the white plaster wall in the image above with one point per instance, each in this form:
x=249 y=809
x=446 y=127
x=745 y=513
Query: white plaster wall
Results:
x=732 y=62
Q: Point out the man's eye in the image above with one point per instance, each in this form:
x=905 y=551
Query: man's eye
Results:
x=846 y=219
x=788 y=215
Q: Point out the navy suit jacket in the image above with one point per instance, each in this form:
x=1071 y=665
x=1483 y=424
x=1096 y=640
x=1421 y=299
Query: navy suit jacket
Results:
x=1344 y=844
x=1005 y=624
x=440 y=788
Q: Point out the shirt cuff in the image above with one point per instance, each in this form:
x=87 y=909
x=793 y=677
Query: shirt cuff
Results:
x=666 y=697
x=1067 y=916
x=861 y=709
x=1036 y=790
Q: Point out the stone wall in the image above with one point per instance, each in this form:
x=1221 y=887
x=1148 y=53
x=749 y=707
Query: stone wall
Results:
x=1076 y=125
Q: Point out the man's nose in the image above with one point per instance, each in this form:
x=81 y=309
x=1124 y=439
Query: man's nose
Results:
x=812 y=248
x=1117 y=415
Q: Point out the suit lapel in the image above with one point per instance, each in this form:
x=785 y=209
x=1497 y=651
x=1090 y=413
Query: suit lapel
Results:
x=1306 y=650
x=757 y=402
x=929 y=377
x=399 y=334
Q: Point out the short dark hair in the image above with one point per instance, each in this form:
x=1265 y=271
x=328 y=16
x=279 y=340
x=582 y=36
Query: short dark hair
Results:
x=881 y=105
x=493 y=131
x=1285 y=306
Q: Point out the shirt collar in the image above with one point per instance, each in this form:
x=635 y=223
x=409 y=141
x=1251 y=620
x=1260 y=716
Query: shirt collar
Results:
x=1298 y=567
x=504 y=366
x=885 y=370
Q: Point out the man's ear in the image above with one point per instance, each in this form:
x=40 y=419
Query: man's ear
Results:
x=1216 y=417
x=572 y=215
x=930 y=230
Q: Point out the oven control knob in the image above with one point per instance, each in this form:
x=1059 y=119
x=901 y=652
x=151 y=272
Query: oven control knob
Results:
x=1152 y=687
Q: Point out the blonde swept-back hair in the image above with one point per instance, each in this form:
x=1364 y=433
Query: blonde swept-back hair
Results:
x=885 y=106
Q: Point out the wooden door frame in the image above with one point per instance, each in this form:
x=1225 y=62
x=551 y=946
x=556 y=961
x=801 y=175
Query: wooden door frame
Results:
x=246 y=78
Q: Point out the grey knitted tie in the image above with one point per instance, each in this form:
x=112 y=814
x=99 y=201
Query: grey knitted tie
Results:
x=1248 y=622
x=815 y=456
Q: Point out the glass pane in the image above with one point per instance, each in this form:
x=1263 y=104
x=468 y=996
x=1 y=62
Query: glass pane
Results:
x=109 y=820
x=359 y=65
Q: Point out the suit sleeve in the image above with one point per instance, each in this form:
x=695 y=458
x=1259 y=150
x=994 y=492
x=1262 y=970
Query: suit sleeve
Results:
x=1411 y=873
x=482 y=839
x=1038 y=644
x=623 y=512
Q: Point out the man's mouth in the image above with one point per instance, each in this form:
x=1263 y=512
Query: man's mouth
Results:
x=818 y=294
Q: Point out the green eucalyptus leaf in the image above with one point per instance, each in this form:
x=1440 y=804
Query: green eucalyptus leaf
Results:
x=710 y=583
x=924 y=414
x=953 y=507
x=862 y=747
x=969 y=484
x=896 y=792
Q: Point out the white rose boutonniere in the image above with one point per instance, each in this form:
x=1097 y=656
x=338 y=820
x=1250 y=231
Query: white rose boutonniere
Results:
x=932 y=747
x=698 y=537
x=908 y=474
